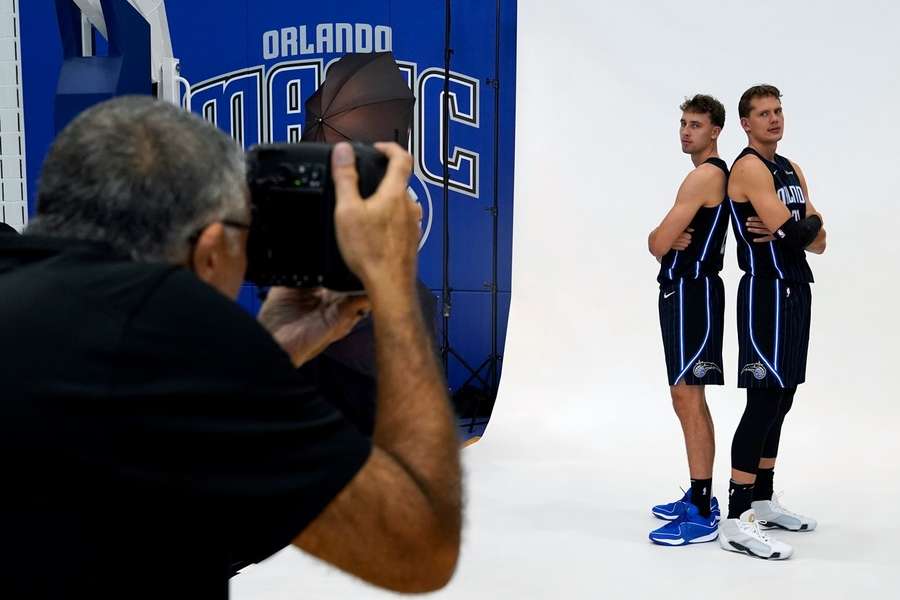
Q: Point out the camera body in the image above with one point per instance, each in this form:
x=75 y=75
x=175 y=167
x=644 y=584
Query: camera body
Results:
x=292 y=239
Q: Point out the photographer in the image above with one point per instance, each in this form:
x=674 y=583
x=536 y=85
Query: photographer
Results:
x=153 y=433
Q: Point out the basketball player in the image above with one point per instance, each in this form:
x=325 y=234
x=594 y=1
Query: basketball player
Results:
x=775 y=225
x=689 y=244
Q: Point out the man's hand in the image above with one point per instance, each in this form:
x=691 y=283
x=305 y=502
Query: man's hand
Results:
x=755 y=226
x=378 y=237
x=305 y=322
x=683 y=240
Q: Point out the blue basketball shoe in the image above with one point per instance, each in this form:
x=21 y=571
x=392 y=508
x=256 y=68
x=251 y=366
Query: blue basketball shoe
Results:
x=690 y=528
x=675 y=510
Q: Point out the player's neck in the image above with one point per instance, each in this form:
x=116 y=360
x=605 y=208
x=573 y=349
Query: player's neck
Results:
x=711 y=151
x=767 y=150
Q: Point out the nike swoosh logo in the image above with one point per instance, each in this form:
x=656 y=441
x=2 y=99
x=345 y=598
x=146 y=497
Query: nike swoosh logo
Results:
x=670 y=294
x=702 y=529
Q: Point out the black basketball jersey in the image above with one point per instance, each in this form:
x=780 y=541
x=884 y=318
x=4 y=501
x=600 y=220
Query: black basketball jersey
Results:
x=704 y=255
x=772 y=260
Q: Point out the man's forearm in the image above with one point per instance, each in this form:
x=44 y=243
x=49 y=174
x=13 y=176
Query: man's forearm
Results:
x=650 y=242
x=415 y=422
x=818 y=245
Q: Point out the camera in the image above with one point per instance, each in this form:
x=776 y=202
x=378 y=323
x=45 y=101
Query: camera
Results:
x=292 y=240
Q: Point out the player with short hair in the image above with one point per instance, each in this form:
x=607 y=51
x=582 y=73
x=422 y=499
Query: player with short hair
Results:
x=775 y=225
x=689 y=244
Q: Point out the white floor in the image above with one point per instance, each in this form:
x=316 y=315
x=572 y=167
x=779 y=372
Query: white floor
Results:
x=568 y=518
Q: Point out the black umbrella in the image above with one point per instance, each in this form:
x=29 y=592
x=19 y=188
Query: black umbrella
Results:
x=364 y=98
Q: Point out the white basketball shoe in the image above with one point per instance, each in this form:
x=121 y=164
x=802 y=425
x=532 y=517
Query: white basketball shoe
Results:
x=771 y=514
x=745 y=535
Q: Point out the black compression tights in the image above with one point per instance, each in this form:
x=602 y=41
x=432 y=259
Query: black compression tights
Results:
x=759 y=431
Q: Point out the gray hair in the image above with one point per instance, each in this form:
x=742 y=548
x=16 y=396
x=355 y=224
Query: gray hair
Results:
x=141 y=175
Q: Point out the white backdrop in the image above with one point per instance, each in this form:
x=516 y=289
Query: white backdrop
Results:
x=583 y=439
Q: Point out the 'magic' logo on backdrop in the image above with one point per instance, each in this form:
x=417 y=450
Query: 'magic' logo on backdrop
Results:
x=265 y=103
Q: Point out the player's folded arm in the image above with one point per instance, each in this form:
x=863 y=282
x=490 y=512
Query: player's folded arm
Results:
x=754 y=179
x=751 y=179
x=700 y=186
x=797 y=235
x=817 y=246
x=385 y=529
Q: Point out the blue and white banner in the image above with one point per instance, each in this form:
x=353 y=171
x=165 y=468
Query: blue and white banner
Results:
x=252 y=65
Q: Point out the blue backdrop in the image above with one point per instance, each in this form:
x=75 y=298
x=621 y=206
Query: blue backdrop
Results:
x=250 y=62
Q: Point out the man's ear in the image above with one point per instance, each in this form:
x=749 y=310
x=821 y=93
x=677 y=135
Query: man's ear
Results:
x=745 y=124
x=210 y=253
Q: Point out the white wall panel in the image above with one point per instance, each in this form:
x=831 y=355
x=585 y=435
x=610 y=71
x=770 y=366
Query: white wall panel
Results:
x=13 y=209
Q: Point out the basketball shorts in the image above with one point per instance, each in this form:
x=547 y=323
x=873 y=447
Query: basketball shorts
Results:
x=691 y=317
x=773 y=332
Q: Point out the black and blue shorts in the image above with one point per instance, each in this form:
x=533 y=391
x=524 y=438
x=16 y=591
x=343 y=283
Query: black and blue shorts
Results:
x=691 y=317
x=773 y=332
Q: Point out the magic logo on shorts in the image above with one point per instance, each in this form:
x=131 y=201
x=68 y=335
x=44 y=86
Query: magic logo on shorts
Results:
x=758 y=370
x=702 y=368
x=266 y=103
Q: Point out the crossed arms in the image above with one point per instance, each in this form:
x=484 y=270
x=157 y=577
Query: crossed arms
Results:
x=751 y=181
x=702 y=185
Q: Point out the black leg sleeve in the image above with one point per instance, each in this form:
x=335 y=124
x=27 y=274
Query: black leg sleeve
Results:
x=760 y=414
x=770 y=448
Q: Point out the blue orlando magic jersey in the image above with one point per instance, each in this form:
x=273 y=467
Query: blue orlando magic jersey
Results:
x=772 y=260
x=704 y=255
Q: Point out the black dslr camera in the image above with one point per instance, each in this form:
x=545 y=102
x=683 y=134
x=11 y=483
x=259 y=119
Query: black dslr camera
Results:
x=292 y=239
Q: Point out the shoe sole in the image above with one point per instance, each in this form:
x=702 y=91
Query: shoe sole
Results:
x=732 y=546
x=773 y=525
x=682 y=542
x=741 y=549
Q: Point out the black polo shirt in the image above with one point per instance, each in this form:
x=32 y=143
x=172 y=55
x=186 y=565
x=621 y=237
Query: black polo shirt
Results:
x=152 y=434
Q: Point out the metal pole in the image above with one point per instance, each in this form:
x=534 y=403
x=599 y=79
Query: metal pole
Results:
x=445 y=129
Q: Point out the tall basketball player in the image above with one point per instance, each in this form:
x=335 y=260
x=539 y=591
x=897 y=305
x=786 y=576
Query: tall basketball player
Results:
x=775 y=225
x=689 y=244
